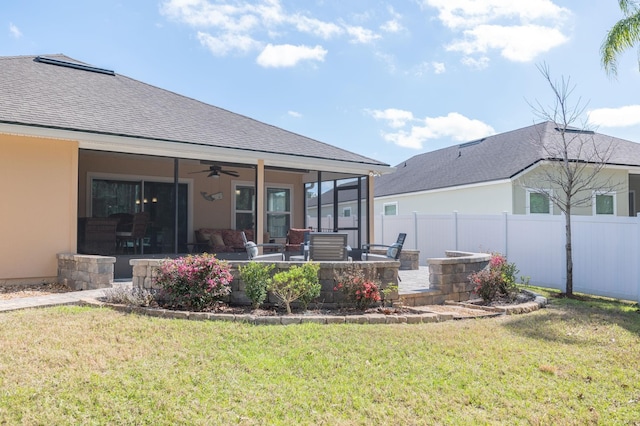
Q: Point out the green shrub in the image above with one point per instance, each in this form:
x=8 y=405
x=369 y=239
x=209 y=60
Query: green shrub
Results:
x=193 y=283
x=256 y=277
x=297 y=283
x=497 y=280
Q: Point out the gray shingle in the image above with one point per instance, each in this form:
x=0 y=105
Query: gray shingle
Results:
x=39 y=94
x=492 y=158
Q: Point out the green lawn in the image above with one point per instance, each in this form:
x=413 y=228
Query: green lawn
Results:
x=572 y=363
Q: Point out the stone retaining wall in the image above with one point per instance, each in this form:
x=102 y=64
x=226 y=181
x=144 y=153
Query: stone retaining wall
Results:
x=85 y=272
x=409 y=259
x=144 y=271
x=449 y=278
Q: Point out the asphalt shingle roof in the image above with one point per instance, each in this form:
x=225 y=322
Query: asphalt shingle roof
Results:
x=40 y=94
x=492 y=158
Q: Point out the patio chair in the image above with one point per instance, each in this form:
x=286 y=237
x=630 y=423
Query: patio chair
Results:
x=393 y=250
x=296 y=238
x=135 y=234
x=328 y=246
x=253 y=252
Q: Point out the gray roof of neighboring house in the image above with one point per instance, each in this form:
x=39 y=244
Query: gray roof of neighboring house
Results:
x=493 y=158
x=44 y=95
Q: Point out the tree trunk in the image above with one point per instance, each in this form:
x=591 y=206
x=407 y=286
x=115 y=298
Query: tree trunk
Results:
x=569 y=253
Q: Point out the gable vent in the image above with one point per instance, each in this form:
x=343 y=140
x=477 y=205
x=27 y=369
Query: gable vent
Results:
x=73 y=65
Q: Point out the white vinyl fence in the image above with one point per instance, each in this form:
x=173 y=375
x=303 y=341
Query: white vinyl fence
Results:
x=606 y=250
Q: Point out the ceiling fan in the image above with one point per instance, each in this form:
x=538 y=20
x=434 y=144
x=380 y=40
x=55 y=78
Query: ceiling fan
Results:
x=214 y=171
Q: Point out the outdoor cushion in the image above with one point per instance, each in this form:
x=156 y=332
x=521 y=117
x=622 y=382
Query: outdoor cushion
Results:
x=392 y=251
x=216 y=240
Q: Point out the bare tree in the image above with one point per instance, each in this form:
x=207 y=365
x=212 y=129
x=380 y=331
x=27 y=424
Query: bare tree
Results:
x=573 y=160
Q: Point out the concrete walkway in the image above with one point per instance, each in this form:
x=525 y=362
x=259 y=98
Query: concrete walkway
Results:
x=412 y=282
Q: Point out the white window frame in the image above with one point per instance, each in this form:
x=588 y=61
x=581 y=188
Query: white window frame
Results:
x=384 y=208
x=548 y=192
x=346 y=212
x=594 y=206
x=268 y=185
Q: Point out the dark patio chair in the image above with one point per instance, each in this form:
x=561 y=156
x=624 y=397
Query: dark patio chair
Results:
x=134 y=234
x=393 y=250
x=253 y=250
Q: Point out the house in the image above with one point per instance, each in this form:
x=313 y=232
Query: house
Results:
x=81 y=147
x=501 y=173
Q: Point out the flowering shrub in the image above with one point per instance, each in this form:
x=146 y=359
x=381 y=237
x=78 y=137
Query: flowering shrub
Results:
x=194 y=283
x=359 y=289
x=497 y=280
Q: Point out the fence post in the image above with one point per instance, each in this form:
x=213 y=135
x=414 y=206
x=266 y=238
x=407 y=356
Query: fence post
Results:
x=506 y=239
x=455 y=229
x=638 y=263
x=415 y=230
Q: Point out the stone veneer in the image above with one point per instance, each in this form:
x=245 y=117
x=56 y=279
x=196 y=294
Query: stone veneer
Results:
x=449 y=278
x=144 y=270
x=85 y=272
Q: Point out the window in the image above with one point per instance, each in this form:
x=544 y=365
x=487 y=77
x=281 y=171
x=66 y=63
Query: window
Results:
x=390 y=209
x=244 y=207
x=278 y=209
x=604 y=203
x=538 y=202
x=346 y=212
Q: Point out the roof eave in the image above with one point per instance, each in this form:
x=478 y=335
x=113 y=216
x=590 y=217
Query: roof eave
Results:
x=178 y=149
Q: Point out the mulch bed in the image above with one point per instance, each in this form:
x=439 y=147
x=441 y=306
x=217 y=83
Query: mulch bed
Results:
x=15 y=291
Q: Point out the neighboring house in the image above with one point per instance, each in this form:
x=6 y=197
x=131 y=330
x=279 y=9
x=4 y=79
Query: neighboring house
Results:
x=83 y=142
x=498 y=174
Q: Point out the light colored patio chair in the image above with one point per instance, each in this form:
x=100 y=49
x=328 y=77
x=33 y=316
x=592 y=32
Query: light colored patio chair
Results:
x=253 y=252
x=328 y=246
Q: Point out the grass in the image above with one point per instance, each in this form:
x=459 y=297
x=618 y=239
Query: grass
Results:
x=575 y=362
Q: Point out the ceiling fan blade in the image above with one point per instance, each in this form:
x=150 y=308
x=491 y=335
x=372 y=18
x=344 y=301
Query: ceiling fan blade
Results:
x=230 y=173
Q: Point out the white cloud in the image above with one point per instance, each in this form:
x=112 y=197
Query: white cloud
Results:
x=393 y=25
x=395 y=118
x=294 y=114
x=519 y=30
x=479 y=63
x=15 y=31
x=361 y=35
x=516 y=43
x=438 y=67
x=228 y=26
x=454 y=126
x=325 y=30
x=287 y=55
x=615 y=117
x=227 y=43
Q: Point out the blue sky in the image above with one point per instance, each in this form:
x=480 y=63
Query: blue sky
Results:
x=385 y=79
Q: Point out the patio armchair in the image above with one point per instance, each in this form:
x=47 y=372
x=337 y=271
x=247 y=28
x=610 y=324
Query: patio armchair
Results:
x=393 y=250
x=327 y=247
x=296 y=238
x=253 y=250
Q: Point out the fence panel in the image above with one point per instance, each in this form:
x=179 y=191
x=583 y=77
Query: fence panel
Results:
x=605 y=253
x=605 y=250
x=536 y=245
x=481 y=233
